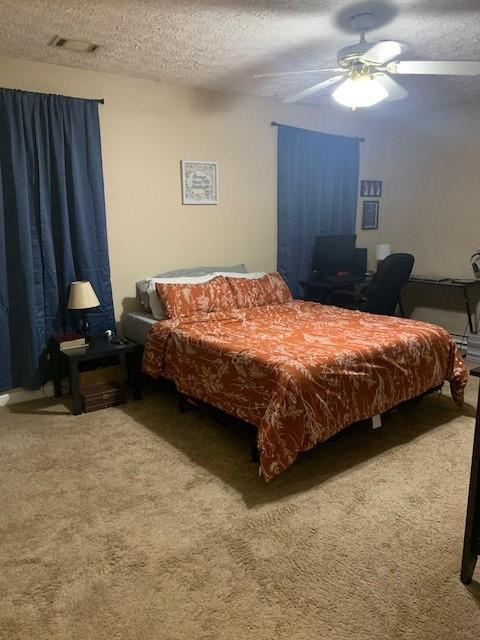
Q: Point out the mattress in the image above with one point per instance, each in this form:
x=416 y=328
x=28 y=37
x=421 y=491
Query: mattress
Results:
x=136 y=326
x=302 y=371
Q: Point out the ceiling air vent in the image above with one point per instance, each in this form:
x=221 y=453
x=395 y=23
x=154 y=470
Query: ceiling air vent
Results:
x=79 y=46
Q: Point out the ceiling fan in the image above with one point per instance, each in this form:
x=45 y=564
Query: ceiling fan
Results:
x=365 y=70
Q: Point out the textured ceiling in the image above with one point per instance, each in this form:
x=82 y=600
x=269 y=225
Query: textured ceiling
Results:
x=221 y=44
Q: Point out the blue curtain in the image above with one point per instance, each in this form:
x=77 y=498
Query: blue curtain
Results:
x=317 y=195
x=52 y=226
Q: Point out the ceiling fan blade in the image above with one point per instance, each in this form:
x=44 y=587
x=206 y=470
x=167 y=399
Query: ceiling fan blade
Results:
x=295 y=73
x=435 y=67
x=395 y=90
x=382 y=52
x=314 y=89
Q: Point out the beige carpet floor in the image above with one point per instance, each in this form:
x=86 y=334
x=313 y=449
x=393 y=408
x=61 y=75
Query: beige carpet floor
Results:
x=140 y=523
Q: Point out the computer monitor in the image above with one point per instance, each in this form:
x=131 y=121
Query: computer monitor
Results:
x=333 y=255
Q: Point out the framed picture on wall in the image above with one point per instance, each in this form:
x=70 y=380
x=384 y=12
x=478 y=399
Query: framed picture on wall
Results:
x=199 y=182
x=371 y=188
x=370 y=214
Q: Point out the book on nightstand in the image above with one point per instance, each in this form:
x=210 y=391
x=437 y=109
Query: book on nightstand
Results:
x=70 y=340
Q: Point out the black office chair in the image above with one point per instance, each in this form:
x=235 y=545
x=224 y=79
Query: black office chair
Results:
x=382 y=294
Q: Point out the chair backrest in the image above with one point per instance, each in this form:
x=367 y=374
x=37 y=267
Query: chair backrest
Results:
x=384 y=291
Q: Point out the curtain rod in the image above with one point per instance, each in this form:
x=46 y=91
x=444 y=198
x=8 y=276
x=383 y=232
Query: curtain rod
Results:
x=278 y=124
x=99 y=100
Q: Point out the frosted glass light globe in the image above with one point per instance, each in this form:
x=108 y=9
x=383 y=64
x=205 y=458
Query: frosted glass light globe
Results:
x=363 y=91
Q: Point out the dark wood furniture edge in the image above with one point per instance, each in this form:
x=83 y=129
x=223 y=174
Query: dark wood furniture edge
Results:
x=471 y=542
x=464 y=286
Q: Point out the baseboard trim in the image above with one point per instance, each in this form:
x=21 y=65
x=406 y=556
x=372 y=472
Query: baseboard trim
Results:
x=23 y=395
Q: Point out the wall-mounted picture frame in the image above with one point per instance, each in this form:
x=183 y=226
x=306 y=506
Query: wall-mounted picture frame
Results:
x=199 y=182
x=370 y=214
x=371 y=188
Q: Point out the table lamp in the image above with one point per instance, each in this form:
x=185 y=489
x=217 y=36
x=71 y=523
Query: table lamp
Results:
x=82 y=297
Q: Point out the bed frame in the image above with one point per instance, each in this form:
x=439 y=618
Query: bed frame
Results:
x=186 y=403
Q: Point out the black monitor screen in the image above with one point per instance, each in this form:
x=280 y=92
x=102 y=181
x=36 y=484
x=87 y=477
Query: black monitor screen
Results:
x=333 y=254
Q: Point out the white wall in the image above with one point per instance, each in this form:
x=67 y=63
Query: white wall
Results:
x=429 y=165
x=433 y=202
x=147 y=128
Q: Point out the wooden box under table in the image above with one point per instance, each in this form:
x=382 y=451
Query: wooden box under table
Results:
x=101 y=374
x=100 y=395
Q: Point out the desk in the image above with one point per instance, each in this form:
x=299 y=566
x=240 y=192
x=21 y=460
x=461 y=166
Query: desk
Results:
x=461 y=284
x=321 y=290
x=471 y=544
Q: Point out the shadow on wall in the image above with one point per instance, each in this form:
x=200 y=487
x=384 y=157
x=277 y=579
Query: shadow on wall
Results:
x=292 y=59
x=129 y=305
x=305 y=54
x=384 y=13
x=296 y=57
x=211 y=101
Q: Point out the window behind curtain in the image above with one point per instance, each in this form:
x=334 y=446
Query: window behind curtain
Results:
x=52 y=225
x=317 y=195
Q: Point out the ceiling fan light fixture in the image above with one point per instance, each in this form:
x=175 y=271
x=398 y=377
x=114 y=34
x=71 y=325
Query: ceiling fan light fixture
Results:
x=382 y=52
x=363 y=91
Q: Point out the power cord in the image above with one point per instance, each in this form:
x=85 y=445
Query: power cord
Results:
x=462 y=341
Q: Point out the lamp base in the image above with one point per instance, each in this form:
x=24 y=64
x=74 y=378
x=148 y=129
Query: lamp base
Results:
x=85 y=326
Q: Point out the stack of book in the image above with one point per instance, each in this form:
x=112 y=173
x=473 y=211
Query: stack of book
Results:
x=473 y=348
x=70 y=341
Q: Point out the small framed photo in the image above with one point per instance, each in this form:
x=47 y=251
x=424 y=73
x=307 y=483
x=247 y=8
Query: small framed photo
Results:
x=199 y=182
x=370 y=214
x=371 y=188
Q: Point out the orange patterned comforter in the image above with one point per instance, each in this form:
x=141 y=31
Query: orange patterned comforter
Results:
x=302 y=371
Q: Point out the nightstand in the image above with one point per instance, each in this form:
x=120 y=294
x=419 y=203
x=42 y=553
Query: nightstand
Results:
x=99 y=350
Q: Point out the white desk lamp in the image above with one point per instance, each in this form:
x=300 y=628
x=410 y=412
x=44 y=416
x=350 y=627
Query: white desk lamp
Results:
x=382 y=251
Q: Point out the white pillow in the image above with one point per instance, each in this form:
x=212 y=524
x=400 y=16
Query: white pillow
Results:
x=156 y=305
x=141 y=285
x=253 y=275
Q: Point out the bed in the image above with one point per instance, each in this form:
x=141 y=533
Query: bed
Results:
x=300 y=371
x=137 y=324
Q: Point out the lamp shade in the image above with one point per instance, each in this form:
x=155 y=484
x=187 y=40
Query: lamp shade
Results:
x=382 y=251
x=82 y=296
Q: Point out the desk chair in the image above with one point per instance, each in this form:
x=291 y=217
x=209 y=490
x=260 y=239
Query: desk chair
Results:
x=382 y=294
